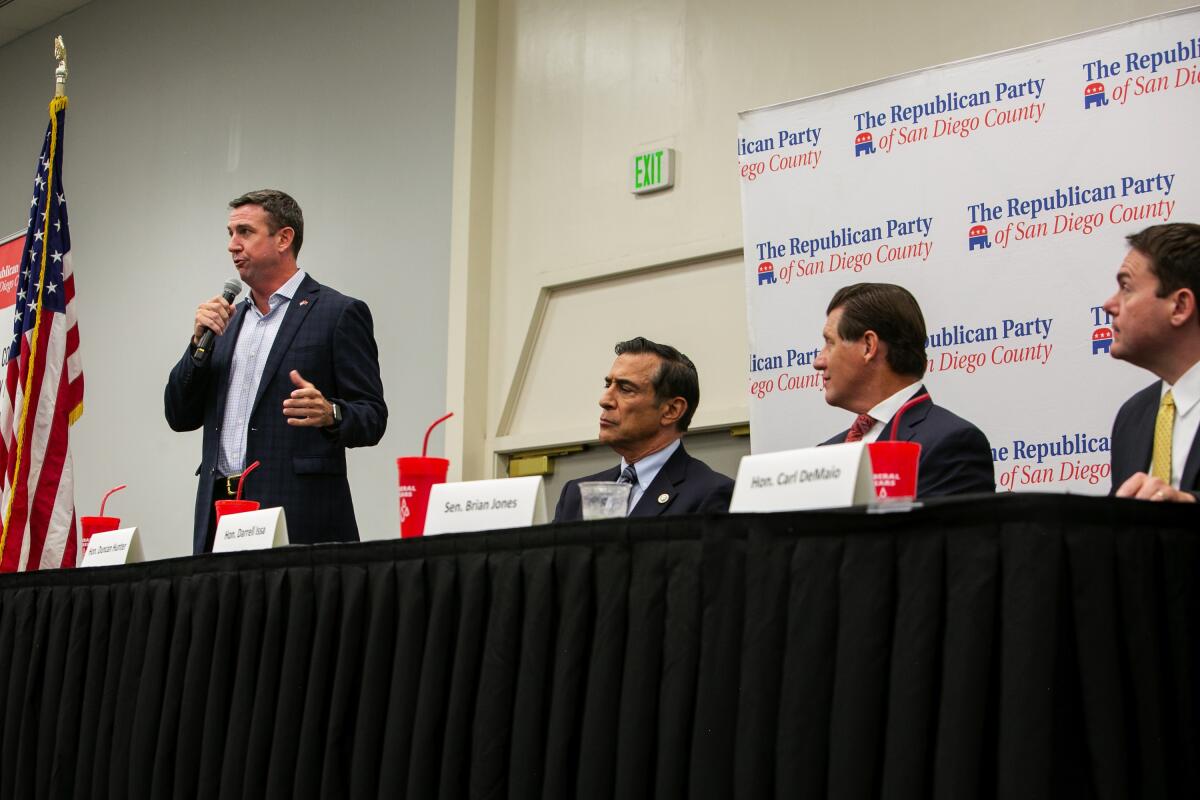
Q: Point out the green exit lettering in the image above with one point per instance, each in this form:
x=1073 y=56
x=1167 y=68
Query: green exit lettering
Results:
x=649 y=169
x=652 y=171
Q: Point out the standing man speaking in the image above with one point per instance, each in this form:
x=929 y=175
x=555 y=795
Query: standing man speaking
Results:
x=291 y=380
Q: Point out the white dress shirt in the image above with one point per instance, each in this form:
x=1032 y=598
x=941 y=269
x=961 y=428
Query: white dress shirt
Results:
x=887 y=409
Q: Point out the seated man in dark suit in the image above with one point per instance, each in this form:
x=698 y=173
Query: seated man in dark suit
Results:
x=649 y=397
x=872 y=364
x=1156 y=326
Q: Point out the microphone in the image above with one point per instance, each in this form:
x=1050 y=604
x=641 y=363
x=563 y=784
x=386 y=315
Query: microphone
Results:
x=233 y=287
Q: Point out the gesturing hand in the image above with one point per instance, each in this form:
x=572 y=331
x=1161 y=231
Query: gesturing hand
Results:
x=307 y=407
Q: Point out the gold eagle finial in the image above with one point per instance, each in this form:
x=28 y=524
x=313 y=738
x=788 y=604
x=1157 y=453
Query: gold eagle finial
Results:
x=60 y=72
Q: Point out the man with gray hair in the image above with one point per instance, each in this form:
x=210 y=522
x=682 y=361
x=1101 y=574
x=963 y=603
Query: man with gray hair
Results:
x=649 y=397
x=294 y=384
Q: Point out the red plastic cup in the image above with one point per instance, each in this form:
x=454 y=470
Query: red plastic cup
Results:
x=234 y=507
x=92 y=525
x=894 y=467
x=417 y=475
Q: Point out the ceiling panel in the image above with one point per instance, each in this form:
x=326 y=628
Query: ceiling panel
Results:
x=19 y=17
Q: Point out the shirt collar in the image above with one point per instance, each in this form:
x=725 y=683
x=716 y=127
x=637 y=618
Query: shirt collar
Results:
x=1186 y=391
x=888 y=408
x=284 y=293
x=649 y=466
x=288 y=290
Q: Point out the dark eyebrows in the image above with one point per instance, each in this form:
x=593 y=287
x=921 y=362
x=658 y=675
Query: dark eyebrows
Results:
x=623 y=383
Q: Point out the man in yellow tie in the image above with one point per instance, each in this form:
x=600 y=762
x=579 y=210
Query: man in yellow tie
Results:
x=1156 y=326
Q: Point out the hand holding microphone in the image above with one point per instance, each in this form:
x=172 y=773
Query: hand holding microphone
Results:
x=211 y=319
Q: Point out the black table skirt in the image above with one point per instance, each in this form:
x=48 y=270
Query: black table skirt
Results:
x=1012 y=647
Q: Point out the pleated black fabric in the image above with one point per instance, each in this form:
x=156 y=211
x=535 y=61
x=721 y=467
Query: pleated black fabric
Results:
x=993 y=647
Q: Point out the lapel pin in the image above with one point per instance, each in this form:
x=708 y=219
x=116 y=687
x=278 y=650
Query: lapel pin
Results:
x=664 y=497
x=303 y=302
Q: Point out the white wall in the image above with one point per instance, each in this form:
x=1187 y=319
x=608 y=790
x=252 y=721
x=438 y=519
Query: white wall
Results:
x=177 y=108
x=351 y=107
x=577 y=87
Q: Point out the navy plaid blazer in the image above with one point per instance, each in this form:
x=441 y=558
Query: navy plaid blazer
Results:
x=328 y=337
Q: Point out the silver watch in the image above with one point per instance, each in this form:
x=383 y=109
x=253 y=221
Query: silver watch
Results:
x=337 y=413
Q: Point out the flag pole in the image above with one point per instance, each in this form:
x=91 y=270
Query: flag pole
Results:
x=43 y=227
x=61 y=71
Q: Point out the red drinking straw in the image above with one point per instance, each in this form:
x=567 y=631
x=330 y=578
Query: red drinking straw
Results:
x=242 y=479
x=439 y=421
x=896 y=420
x=110 y=494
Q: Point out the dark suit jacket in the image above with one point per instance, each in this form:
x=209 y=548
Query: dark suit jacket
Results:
x=1133 y=441
x=691 y=487
x=328 y=338
x=955 y=455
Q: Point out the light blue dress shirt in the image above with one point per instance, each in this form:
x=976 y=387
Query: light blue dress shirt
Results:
x=249 y=359
x=647 y=470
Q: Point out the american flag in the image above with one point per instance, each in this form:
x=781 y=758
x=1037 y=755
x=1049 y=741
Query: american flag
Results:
x=43 y=383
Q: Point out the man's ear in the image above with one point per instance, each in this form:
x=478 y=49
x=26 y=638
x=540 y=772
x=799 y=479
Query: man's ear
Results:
x=1183 y=307
x=871 y=345
x=672 y=411
x=286 y=234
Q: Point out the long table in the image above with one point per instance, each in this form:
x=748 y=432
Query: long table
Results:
x=1001 y=646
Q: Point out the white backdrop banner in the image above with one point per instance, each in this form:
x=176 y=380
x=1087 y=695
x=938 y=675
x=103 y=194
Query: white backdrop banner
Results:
x=997 y=190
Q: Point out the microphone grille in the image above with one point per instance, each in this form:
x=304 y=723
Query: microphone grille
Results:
x=233 y=286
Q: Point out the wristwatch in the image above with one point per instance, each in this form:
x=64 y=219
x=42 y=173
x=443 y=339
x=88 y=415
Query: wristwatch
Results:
x=337 y=413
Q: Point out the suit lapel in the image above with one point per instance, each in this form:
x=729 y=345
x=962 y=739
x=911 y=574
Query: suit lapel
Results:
x=909 y=423
x=1142 y=437
x=297 y=311
x=665 y=483
x=223 y=355
x=1191 y=467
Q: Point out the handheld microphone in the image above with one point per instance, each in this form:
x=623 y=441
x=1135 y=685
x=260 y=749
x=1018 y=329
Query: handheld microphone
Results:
x=233 y=287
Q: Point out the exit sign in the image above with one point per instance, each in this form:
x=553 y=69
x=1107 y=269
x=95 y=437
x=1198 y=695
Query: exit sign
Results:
x=653 y=171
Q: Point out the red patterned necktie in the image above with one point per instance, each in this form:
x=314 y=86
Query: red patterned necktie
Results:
x=858 y=430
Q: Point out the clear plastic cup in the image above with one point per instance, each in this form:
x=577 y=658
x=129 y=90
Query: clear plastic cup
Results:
x=604 y=499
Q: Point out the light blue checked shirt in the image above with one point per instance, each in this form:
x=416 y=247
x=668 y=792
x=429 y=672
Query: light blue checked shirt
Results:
x=249 y=357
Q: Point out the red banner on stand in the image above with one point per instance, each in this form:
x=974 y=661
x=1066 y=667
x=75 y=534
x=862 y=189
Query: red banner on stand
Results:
x=10 y=264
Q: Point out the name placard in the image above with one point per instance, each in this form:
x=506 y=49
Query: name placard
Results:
x=485 y=505
x=797 y=480
x=252 y=530
x=113 y=547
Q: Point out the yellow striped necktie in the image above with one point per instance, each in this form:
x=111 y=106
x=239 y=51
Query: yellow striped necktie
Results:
x=1164 y=430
